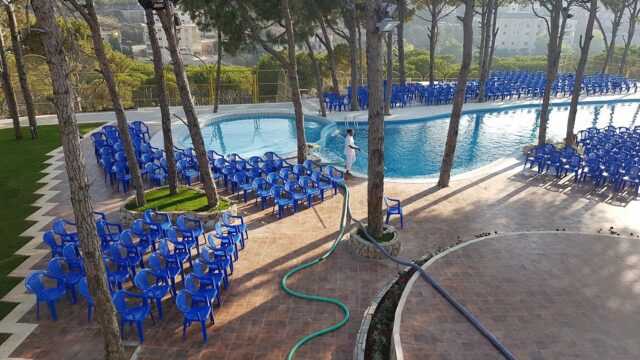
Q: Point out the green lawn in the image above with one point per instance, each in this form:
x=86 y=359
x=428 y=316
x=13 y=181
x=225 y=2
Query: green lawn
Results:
x=186 y=200
x=20 y=164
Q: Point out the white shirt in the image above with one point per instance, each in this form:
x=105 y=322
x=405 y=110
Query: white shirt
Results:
x=348 y=143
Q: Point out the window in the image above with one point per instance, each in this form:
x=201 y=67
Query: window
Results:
x=526 y=43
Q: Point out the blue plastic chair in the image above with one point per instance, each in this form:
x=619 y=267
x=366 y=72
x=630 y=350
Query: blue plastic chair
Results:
x=181 y=252
x=202 y=291
x=574 y=165
x=207 y=274
x=130 y=259
x=59 y=227
x=240 y=228
x=335 y=176
x=50 y=295
x=610 y=173
x=241 y=182
x=223 y=252
x=132 y=314
x=157 y=175
x=168 y=269
x=310 y=166
x=187 y=170
x=591 y=169
x=121 y=176
x=60 y=269
x=157 y=220
x=134 y=249
x=191 y=230
x=71 y=254
x=297 y=193
x=108 y=233
x=193 y=312
x=150 y=235
x=631 y=178
x=219 y=262
x=393 y=208
x=274 y=179
x=83 y=289
x=117 y=272
x=322 y=183
x=309 y=188
x=534 y=157
x=49 y=238
x=281 y=199
x=156 y=289
x=553 y=160
x=228 y=238
x=261 y=189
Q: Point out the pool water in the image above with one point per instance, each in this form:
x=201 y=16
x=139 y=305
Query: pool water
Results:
x=415 y=149
x=254 y=135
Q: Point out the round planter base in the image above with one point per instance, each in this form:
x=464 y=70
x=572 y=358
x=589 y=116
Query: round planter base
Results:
x=366 y=249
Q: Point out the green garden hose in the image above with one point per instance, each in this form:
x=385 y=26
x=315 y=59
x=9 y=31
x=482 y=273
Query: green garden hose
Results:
x=343 y=307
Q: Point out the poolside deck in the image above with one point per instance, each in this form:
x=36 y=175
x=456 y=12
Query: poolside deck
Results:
x=258 y=321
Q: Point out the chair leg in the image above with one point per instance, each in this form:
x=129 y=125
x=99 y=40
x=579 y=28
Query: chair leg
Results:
x=37 y=309
x=401 y=221
x=386 y=221
x=52 y=307
x=184 y=329
x=159 y=306
x=140 y=332
x=89 y=307
x=204 y=330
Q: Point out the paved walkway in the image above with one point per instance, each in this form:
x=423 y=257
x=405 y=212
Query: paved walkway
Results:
x=543 y=295
x=258 y=321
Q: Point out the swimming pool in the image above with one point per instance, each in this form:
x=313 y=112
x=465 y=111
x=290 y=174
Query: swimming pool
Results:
x=414 y=149
x=250 y=135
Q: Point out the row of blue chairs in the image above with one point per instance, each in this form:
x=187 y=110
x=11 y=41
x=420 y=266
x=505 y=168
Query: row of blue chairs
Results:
x=610 y=155
x=124 y=251
x=500 y=85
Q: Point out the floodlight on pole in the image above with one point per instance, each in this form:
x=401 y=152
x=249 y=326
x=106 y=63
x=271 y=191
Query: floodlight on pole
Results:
x=388 y=23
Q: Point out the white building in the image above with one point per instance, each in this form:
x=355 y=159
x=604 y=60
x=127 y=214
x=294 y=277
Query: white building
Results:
x=189 y=37
x=519 y=28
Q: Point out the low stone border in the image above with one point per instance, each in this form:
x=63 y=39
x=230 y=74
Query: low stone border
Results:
x=366 y=249
x=208 y=218
x=361 y=340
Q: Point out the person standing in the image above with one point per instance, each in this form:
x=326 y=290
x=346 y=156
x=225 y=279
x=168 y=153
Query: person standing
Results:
x=349 y=152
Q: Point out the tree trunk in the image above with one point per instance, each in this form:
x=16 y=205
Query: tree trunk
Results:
x=483 y=17
x=458 y=101
x=165 y=115
x=375 y=184
x=349 y=16
x=553 y=61
x=168 y=25
x=433 y=40
x=22 y=74
x=633 y=15
x=582 y=64
x=360 y=66
x=7 y=87
x=615 y=26
x=494 y=32
x=488 y=32
x=88 y=12
x=387 y=99
x=330 y=57
x=316 y=67
x=402 y=4
x=78 y=181
x=218 y=72
x=293 y=81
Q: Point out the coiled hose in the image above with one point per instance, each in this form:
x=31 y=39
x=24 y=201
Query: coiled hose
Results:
x=343 y=225
x=345 y=217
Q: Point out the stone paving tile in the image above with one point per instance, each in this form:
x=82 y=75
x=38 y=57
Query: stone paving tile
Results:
x=544 y=295
x=505 y=201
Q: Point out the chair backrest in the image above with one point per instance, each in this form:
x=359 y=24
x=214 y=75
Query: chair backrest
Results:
x=575 y=161
x=49 y=238
x=137 y=227
x=633 y=172
x=258 y=183
x=298 y=170
x=291 y=186
x=555 y=156
x=163 y=247
x=125 y=238
x=386 y=200
x=34 y=283
x=316 y=176
x=304 y=181
x=150 y=167
x=58 y=227
x=284 y=173
x=70 y=252
x=272 y=178
x=120 y=302
x=141 y=280
x=568 y=151
x=55 y=267
x=114 y=252
x=199 y=268
x=181 y=302
x=330 y=169
x=190 y=283
x=181 y=222
x=276 y=191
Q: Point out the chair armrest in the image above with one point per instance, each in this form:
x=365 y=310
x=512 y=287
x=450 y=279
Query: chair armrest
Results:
x=68 y=222
x=236 y=217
